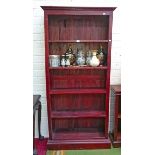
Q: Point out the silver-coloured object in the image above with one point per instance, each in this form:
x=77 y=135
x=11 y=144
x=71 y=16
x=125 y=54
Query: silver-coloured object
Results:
x=54 y=60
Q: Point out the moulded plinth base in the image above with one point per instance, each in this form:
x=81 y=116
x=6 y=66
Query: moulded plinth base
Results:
x=78 y=144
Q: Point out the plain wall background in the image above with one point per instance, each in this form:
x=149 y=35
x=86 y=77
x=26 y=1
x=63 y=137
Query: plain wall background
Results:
x=39 y=86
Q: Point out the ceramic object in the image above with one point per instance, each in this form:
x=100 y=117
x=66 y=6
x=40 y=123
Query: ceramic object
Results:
x=94 y=62
x=88 y=58
x=80 y=60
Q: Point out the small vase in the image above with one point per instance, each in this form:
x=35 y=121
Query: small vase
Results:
x=80 y=60
x=88 y=58
x=94 y=62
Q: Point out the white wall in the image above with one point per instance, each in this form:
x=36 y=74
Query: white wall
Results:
x=39 y=49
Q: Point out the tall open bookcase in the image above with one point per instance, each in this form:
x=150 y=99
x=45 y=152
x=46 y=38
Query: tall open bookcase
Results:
x=77 y=97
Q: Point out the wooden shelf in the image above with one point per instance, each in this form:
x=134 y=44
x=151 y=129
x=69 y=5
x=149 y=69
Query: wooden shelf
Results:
x=78 y=91
x=78 y=41
x=77 y=114
x=79 y=67
x=79 y=135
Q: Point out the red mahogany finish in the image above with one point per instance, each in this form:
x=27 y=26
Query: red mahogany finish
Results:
x=115 y=136
x=77 y=97
x=78 y=67
x=77 y=41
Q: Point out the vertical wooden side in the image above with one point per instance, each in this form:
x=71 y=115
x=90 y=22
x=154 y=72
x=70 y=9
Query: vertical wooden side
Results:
x=108 y=74
x=115 y=117
x=47 y=73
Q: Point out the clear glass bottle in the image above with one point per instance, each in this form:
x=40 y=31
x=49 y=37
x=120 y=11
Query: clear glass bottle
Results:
x=54 y=60
x=71 y=55
x=100 y=55
x=63 y=61
x=67 y=63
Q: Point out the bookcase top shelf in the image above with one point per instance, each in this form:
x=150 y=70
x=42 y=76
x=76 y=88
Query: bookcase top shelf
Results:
x=57 y=10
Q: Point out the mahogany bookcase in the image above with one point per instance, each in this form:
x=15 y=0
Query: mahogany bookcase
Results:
x=115 y=135
x=77 y=97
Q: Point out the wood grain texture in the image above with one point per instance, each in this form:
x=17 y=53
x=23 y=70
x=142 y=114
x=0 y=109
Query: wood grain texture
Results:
x=77 y=114
x=78 y=98
x=61 y=28
x=78 y=91
x=78 y=103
